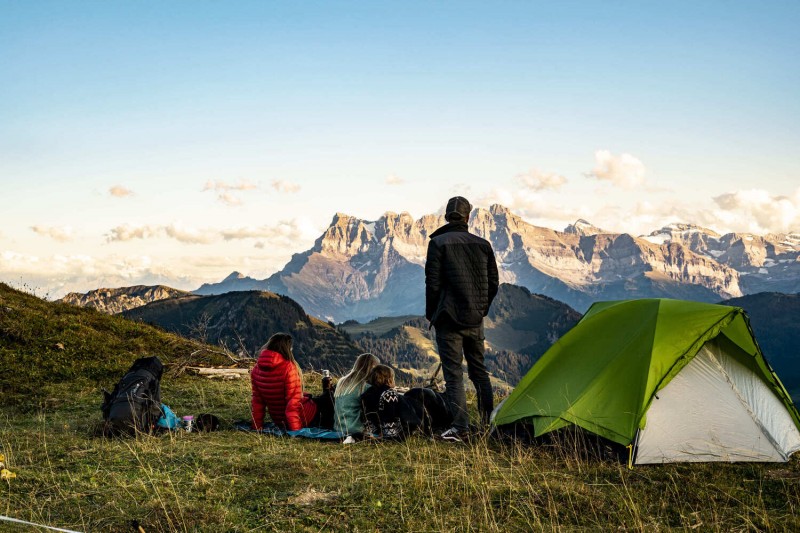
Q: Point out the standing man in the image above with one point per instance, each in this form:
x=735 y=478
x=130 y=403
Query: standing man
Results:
x=461 y=281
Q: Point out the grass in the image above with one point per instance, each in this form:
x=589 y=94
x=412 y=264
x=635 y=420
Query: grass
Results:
x=233 y=481
x=48 y=349
x=53 y=359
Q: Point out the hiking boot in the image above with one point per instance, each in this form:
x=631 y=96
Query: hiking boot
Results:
x=479 y=431
x=454 y=435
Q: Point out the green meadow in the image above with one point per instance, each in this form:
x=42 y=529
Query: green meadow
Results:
x=54 y=358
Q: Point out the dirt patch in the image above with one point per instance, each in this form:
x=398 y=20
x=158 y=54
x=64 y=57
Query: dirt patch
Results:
x=312 y=497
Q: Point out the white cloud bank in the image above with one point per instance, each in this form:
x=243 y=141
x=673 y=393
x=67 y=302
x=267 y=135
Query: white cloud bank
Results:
x=759 y=211
x=745 y=211
x=56 y=275
x=623 y=170
x=283 y=233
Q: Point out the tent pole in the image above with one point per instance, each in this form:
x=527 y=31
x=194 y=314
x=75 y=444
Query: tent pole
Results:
x=632 y=449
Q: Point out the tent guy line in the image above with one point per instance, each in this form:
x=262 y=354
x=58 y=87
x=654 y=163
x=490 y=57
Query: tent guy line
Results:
x=23 y=522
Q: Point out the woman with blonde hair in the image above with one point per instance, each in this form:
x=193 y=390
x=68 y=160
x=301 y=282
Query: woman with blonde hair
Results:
x=347 y=403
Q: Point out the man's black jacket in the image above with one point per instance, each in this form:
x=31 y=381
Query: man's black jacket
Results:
x=461 y=277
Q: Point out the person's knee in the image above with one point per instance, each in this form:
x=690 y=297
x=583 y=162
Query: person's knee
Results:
x=478 y=375
x=452 y=372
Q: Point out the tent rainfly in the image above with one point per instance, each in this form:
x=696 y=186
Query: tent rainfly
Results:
x=678 y=381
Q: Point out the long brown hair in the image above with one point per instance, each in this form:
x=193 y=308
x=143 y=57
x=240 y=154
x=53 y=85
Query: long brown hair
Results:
x=381 y=375
x=282 y=344
x=356 y=379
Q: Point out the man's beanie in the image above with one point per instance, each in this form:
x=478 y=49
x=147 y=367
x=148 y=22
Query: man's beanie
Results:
x=457 y=205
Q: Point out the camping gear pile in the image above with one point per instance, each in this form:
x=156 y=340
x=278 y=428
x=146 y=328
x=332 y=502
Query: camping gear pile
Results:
x=134 y=406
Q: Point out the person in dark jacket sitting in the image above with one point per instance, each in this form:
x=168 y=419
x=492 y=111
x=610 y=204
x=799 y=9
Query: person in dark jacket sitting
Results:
x=387 y=414
x=461 y=280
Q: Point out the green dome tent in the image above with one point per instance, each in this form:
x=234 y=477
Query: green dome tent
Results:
x=677 y=380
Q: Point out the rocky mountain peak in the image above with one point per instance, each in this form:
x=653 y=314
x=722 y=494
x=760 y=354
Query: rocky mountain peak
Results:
x=583 y=228
x=347 y=235
x=341 y=219
x=497 y=209
x=112 y=301
x=402 y=225
x=678 y=228
x=483 y=222
x=699 y=239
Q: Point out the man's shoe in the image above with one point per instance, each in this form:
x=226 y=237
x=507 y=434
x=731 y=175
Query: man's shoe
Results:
x=482 y=431
x=453 y=435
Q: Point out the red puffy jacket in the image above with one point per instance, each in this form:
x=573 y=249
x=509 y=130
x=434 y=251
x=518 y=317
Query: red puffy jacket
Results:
x=277 y=386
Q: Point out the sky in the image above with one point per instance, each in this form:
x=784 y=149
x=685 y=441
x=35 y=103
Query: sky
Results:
x=175 y=142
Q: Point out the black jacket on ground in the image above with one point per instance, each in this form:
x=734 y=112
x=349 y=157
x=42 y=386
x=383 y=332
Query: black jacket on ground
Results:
x=461 y=278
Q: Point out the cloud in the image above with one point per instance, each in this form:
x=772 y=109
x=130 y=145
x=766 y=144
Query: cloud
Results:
x=537 y=180
x=542 y=209
x=119 y=191
x=243 y=185
x=394 y=179
x=174 y=231
x=623 y=170
x=283 y=233
x=60 y=234
x=744 y=211
x=224 y=190
x=54 y=276
x=189 y=235
x=229 y=199
x=127 y=232
x=285 y=186
x=289 y=230
x=759 y=211
x=534 y=206
x=59 y=274
x=645 y=217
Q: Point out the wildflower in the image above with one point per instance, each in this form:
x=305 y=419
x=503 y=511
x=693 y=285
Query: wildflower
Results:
x=5 y=474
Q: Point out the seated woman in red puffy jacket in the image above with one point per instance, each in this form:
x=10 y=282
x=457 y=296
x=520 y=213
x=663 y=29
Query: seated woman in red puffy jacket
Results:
x=278 y=385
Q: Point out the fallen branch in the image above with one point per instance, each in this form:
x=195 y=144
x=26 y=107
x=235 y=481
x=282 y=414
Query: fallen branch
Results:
x=219 y=373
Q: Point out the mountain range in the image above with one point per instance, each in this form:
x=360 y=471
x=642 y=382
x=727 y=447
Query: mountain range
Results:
x=243 y=321
x=114 y=301
x=360 y=269
x=520 y=327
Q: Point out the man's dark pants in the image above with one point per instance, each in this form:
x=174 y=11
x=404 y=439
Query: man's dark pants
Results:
x=453 y=340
